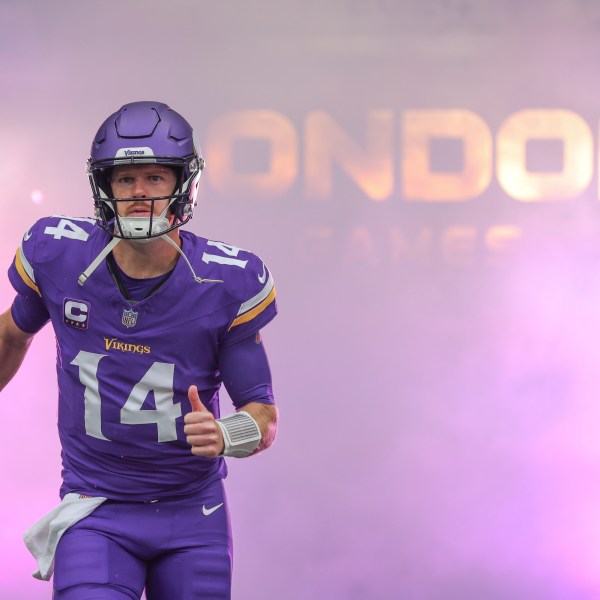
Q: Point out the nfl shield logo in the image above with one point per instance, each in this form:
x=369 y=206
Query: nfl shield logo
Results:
x=129 y=318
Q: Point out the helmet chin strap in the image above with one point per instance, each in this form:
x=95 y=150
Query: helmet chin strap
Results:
x=196 y=278
x=103 y=254
x=133 y=228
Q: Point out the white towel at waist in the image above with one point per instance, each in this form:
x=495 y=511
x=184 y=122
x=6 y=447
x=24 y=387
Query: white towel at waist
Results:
x=42 y=537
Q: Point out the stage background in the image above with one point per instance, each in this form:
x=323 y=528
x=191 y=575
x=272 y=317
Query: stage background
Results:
x=422 y=178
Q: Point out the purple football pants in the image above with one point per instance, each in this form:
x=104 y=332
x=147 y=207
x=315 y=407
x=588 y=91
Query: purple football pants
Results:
x=177 y=549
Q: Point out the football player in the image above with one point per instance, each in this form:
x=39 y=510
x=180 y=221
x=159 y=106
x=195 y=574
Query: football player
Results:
x=150 y=320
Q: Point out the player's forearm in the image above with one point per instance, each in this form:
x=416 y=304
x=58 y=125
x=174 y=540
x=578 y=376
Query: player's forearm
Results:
x=14 y=344
x=266 y=417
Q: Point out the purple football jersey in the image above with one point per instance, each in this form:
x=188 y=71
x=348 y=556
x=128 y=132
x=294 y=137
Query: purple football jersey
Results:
x=124 y=369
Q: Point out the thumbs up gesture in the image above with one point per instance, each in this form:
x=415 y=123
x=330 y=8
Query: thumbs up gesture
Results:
x=203 y=433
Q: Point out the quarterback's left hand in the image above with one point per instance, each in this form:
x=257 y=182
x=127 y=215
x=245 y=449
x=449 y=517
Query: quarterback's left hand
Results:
x=203 y=433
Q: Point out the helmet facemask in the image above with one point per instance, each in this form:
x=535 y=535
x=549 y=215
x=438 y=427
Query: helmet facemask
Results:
x=179 y=210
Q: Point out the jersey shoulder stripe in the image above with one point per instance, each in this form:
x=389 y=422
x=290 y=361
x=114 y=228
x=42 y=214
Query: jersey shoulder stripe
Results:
x=25 y=270
x=256 y=305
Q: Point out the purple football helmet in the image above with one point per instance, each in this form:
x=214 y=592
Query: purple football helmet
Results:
x=144 y=133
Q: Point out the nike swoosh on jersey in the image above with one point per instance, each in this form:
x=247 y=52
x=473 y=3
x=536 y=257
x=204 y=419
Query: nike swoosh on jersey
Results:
x=210 y=511
x=262 y=277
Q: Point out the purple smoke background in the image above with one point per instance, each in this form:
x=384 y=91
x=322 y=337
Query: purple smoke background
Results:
x=440 y=422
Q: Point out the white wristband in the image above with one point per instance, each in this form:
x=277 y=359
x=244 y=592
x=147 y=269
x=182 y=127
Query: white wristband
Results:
x=241 y=434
